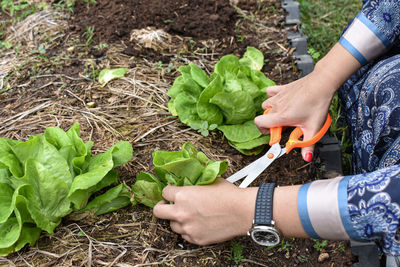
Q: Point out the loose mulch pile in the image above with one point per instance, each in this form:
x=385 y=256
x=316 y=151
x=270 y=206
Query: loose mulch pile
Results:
x=50 y=81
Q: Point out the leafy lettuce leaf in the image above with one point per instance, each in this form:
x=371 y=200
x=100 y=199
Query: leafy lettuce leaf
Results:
x=51 y=175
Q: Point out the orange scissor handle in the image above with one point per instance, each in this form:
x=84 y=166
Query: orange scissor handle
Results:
x=276 y=132
x=297 y=133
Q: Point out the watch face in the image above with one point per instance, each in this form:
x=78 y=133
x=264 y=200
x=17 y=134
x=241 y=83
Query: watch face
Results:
x=265 y=235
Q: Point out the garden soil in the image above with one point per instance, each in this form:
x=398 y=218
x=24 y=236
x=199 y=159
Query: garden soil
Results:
x=56 y=86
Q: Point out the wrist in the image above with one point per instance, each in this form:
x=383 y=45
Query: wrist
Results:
x=336 y=67
x=244 y=208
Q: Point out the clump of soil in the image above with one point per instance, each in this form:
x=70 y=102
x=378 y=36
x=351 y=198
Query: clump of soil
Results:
x=114 y=19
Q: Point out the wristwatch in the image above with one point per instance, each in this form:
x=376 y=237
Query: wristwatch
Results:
x=263 y=231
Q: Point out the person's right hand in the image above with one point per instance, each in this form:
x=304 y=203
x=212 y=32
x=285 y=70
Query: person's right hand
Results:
x=302 y=103
x=305 y=102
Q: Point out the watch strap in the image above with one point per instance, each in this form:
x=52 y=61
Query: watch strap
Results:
x=264 y=201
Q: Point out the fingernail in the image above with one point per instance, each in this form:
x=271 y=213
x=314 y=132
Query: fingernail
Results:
x=308 y=156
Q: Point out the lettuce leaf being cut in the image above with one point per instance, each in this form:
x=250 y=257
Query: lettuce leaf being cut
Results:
x=187 y=166
x=230 y=98
x=51 y=175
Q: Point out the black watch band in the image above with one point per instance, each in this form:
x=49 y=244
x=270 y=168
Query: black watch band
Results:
x=264 y=201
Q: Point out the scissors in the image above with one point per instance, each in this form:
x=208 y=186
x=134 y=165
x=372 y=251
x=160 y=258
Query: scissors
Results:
x=254 y=169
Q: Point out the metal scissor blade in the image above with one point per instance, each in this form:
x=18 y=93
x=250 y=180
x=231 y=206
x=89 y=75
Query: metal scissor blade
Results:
x=262 y=164
x=254 y=169
x=243 y=172
x=257 y=169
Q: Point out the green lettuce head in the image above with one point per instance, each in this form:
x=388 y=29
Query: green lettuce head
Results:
x=228 y=100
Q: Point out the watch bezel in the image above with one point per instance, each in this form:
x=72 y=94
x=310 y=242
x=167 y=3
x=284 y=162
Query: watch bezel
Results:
x=267 y=229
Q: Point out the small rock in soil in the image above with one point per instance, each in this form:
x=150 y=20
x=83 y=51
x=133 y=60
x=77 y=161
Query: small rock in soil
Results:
x=323 y=256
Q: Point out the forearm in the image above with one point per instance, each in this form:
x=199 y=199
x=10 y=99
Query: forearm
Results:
x=317 y=210
x=336 y=67
x=285 y=212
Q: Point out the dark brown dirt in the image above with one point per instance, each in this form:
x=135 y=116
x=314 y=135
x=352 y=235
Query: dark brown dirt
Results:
x=114 y=19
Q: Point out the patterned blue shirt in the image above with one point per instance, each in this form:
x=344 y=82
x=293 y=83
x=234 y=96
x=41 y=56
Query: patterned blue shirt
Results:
x=365 y=206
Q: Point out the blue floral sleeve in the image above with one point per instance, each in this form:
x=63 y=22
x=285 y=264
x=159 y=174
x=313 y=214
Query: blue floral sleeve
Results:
x=374 y=31
x=363 y=207
x=374 y=207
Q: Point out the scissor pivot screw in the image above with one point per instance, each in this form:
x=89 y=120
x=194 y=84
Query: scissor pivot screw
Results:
x=270 y=155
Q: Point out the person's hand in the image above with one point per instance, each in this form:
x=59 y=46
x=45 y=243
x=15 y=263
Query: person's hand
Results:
x=208 y=214
x=302 y=103
x=305 y=102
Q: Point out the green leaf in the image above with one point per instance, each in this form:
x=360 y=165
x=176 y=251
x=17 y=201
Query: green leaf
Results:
x=253 y=58
x=232 y=83
x=106 y=75
x=8 y=159
x=190 y=86
x=241 y=132
x=177 y=87
x=7 y=202
x=260 y=141
x=114 y=199
x=9 y=232
x=99 y=166
x=29 y=235
x=202 y=158
x=147 y=190
x=260 y=79
x=250 y=152
x=227 y=64
x=213 y=170
x=181 y=167
x=185 y=106
x=207 y=111
x=199 y=75
x=204 y=133
x=122 y=152
x=46 y=194
x=237 y=107
x=213 y=127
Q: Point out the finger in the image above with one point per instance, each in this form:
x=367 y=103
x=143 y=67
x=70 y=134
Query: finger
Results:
x=267 y=121
x=177 y=227
x=267 y=103
x=188 y=238
x=272 y=90
x=169 y=192
x=308 y=152
x=164 y=211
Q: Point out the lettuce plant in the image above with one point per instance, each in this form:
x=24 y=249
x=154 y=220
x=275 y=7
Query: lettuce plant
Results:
x=230 y=98
x=185 y=167
x=51 y=175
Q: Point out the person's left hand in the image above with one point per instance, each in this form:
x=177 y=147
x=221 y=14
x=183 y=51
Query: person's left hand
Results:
x=208 y=214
